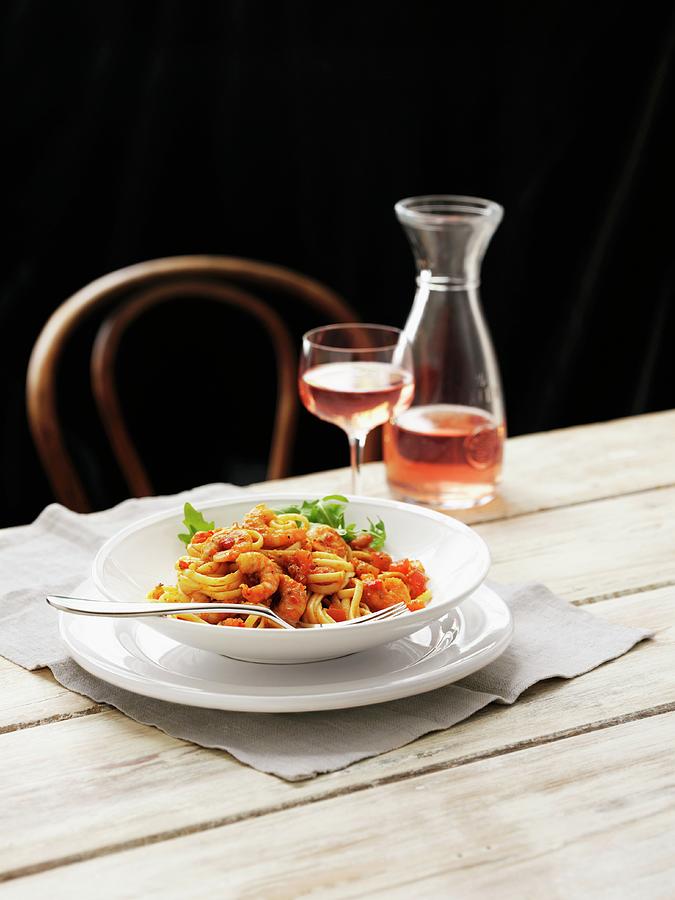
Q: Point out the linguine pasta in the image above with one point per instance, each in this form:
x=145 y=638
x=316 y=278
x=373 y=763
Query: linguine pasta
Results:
x=306 y=572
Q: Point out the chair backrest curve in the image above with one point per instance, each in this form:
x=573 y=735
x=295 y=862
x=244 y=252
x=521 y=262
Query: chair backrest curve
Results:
x=44 y=362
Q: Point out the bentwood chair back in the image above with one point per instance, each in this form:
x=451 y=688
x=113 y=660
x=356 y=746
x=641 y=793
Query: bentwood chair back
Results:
x=136 y=290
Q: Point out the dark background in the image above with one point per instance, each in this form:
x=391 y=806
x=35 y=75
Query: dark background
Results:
x=285 y=132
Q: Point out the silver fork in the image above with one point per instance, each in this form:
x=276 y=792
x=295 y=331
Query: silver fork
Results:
x=82 y=607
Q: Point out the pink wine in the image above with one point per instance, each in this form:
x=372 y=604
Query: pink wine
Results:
x=444 y=455
x=357 y=396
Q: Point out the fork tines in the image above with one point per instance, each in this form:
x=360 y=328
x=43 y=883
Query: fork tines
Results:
x=389 y=612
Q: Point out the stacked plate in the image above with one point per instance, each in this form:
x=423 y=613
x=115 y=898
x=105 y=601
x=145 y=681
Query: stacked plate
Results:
x=463 y=628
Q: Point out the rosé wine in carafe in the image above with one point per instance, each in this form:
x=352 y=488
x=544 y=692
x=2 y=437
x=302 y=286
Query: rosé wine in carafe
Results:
x=446 y=450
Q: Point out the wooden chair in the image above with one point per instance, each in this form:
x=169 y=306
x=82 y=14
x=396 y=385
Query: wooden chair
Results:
x=142 y=287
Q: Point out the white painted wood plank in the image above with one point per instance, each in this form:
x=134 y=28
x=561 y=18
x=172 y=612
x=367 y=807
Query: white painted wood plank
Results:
x=30 y=697
x=113 y=780
x=589 y=816
x=593 y=549
x=549 y=469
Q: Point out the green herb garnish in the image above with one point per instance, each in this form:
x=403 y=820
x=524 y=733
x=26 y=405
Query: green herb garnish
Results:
x=330 y=511
x=378 y=532
x=194 y=521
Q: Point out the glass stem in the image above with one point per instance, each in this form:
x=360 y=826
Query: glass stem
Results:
x=356 y=444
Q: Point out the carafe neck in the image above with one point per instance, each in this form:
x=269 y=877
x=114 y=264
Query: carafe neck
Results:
x=449 y=235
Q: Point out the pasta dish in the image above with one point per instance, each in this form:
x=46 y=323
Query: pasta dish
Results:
x=307 y=571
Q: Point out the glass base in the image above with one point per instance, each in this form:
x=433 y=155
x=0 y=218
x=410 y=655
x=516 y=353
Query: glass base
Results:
x=446 y=496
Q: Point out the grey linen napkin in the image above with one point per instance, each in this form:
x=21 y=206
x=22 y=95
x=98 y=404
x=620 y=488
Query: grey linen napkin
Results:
x=551 y=639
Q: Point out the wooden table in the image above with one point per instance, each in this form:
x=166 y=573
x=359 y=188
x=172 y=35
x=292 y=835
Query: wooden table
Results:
x=569 y=793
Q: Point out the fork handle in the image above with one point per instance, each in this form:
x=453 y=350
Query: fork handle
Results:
x=83 y=607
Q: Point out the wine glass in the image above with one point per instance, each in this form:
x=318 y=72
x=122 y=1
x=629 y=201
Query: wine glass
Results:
x=358 y=377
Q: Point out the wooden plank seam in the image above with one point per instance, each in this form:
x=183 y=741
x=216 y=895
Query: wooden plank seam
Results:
x=224 y=821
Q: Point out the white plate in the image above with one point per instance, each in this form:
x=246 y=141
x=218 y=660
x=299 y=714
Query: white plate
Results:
x=455 y=557
x=129 y=654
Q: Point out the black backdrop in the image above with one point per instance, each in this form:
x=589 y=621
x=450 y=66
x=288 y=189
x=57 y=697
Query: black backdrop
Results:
x=285 y=131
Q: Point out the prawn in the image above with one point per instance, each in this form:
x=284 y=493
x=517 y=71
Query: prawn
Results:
x=362 y=542
x=216 y=618
x=380 y=560
x=259 y=518
x=323 y=537
x=362 y=568
x=292 y=600
x=382 y=592
x=266 y=570
x=233 y=622
x=300 y=565
x=296 y=563
x=280 y=539
x=228 y=544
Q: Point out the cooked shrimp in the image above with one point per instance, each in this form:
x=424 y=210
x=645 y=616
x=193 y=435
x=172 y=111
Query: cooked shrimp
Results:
x=216 y=618
x=323 y=537
x=257 y=565
x=279 y=539
x=259 y=518
x=296 y=563
x=382 y=592
x=233 y=621
x=380 y=559
x=292 y=600
x=226 y=545
x=274 y=538
x=300 y=565
x=362 y=568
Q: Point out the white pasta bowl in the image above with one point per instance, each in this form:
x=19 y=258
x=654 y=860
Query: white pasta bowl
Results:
x=456 y=560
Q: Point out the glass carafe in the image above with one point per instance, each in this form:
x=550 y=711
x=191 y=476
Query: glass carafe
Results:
x=446 y=450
